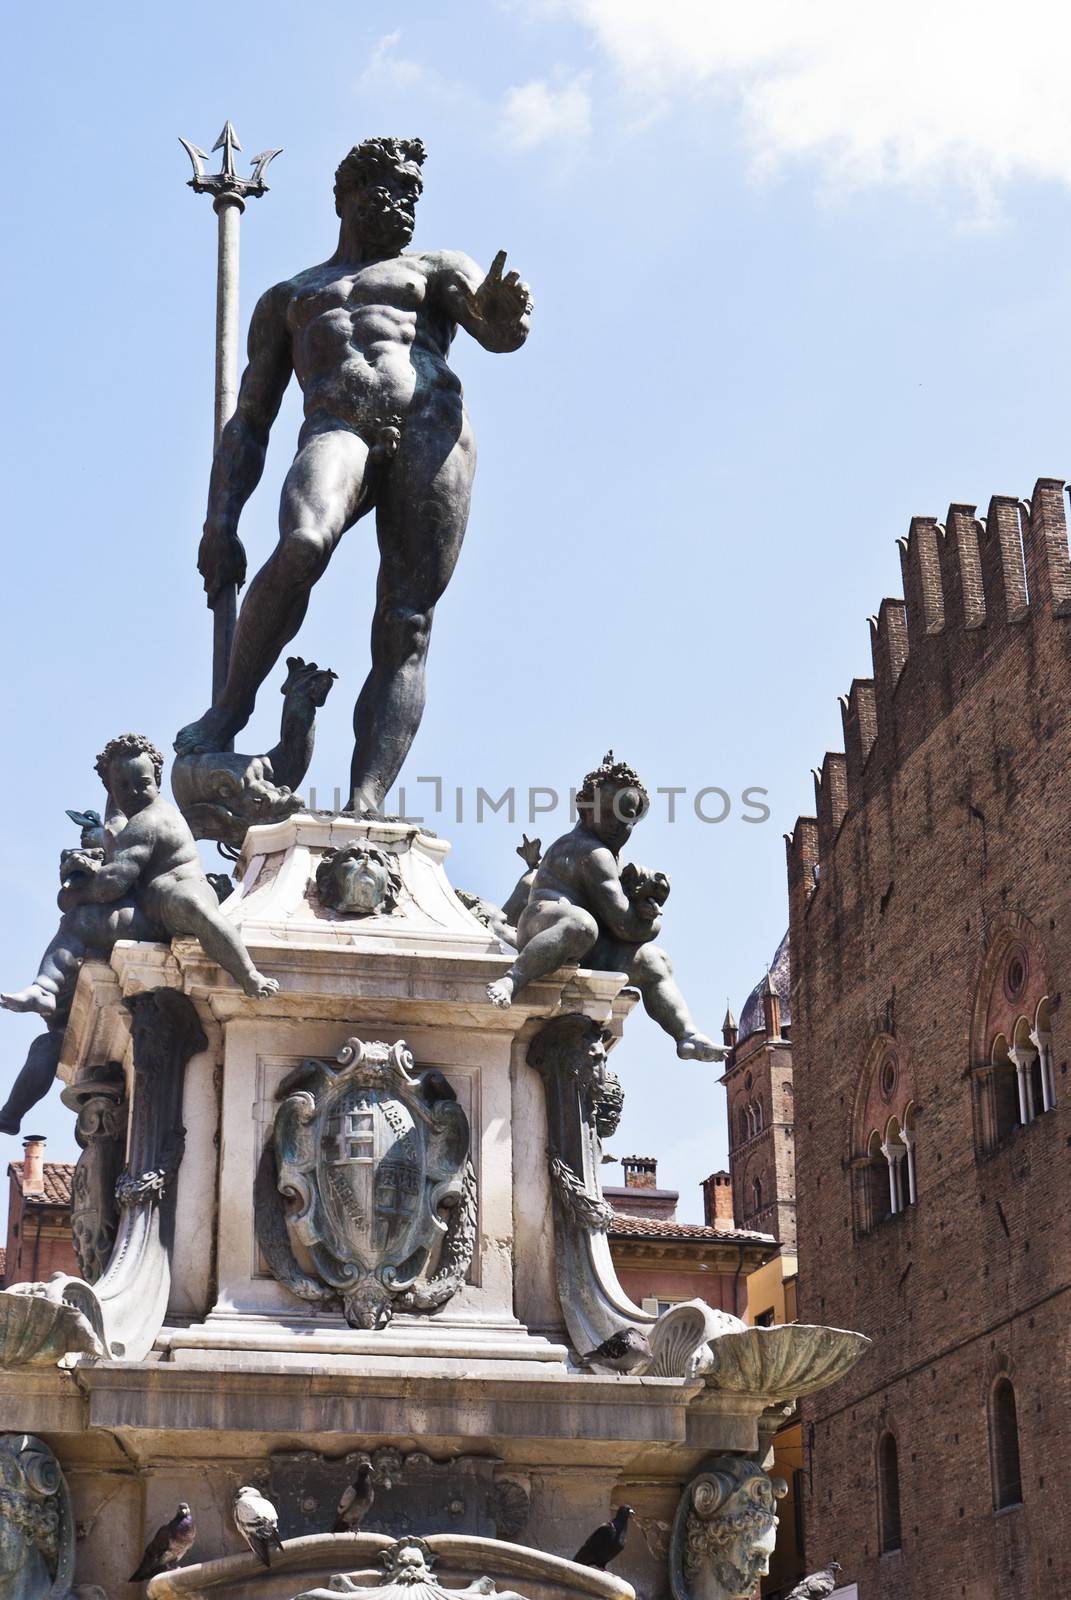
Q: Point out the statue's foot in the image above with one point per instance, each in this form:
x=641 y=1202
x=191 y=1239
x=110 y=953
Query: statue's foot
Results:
x=500 y=993
x=214 y=731
x=35 y=998
x=258 y=987
x=697 y=1047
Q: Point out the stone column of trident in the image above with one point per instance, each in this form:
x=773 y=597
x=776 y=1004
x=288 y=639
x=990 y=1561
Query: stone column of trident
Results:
x=230 y=193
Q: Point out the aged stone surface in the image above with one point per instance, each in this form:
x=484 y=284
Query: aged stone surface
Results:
x=584 y=1101
x=367 y=334
x=379 y=1195
x=222 y=794
x=327 y=1565
x=724 y=1531
x=36 y=1525
x=938 y=930
x=584 y=907
x=462 y=1494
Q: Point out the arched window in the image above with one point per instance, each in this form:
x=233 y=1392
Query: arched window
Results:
x=1004 y=1446
x=758 y=1116
x=744 y=1125
x=1005 y=1089
x=756 y=1193
x=1042 y=1038
x=889 y=1536
x=878 y=1203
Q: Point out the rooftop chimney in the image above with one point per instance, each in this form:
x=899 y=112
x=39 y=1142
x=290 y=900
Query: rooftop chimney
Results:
x=33 y=1166
x=641 y=1172
x=718 y=1201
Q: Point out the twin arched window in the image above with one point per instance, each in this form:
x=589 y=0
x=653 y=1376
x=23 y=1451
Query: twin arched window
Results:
x=750 y=1120
x=891 y=1184
x=1023 y=1082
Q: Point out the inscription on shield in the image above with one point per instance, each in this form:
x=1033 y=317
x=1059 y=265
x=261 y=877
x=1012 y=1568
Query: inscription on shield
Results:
x=372 y=1160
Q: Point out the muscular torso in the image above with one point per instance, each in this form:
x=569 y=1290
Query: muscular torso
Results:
x=369 y=344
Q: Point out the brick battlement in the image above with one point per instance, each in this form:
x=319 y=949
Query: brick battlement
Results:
x=971 y=587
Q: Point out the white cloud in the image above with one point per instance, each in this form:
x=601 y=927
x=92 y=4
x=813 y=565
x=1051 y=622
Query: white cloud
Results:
x=538 y=112
x=923 y=92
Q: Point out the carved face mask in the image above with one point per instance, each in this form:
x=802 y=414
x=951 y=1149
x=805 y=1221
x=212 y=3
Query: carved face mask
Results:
x=362 y=886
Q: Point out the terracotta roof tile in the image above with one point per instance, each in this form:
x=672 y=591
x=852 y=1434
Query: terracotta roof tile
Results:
x=58 y=1177
x=624 y=1227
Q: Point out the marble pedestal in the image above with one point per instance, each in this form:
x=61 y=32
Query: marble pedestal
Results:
x=215 y=1374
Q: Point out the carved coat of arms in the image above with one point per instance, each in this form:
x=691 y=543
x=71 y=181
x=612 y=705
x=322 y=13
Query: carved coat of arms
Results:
x=378 y=1196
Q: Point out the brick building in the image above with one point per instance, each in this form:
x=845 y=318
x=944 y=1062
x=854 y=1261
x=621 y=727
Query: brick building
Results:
x=760 y=1108
x=760 y=1112
x=38 y=1217
x=930 y=923
x=661 y=1261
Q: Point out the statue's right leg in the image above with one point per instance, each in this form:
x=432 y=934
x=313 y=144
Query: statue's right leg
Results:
x=34 y=1080
x=87 y=930
x=554 y=937
x=321 y=498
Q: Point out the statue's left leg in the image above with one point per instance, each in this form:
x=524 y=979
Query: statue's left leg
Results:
x=651 y=971
x=190 y=909
x=422 y=511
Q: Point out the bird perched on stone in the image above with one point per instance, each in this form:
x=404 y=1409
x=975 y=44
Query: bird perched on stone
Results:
x=257 y=1521
x=167 y=1546
x=356 y=1502
x=818 y=1585
x=606 y=1543
x=623 y=1351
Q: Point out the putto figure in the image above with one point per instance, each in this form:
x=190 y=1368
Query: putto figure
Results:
x=145 y=882
x=584 y=907
x=367 y=334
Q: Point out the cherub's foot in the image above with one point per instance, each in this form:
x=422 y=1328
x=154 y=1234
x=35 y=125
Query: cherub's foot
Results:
x=500 y=993
x=35 y=998
x=258 y=987
x=214 y=731
x=697 y=1047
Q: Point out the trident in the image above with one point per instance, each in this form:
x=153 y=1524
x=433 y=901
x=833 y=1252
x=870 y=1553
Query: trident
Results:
x=230 y=193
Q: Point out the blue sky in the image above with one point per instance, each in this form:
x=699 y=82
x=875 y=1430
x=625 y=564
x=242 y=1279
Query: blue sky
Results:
x=799 y=273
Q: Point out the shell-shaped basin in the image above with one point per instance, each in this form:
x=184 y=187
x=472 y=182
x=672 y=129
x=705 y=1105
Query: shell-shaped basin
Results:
x=38 y=1331
x=783 y=1363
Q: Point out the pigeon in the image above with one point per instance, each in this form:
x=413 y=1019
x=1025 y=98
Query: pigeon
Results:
x=356 y=1501
x=257 y=1521
x=606 y=1543
x=623 y=1351
x=167 y=1546
x=818 y=1585
x=92 y=825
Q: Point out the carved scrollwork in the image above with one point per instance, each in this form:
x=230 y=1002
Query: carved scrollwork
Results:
x=724 y=1531
x=583 y=1209
x=36 y=1526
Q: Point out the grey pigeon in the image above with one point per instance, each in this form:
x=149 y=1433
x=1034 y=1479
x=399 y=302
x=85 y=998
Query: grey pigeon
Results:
x=623 y=1351
x=818 y=1585
x=258 y=1522
x=167 y=1546
x=356 y=1502
x=92 y=826
x=606 y=1543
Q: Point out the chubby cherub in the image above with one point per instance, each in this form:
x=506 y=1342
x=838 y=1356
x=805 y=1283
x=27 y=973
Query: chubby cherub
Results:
x=146 y=882
x=585 y=908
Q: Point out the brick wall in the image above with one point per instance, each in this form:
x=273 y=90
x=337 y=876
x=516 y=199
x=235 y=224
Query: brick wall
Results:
x=942 y=848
